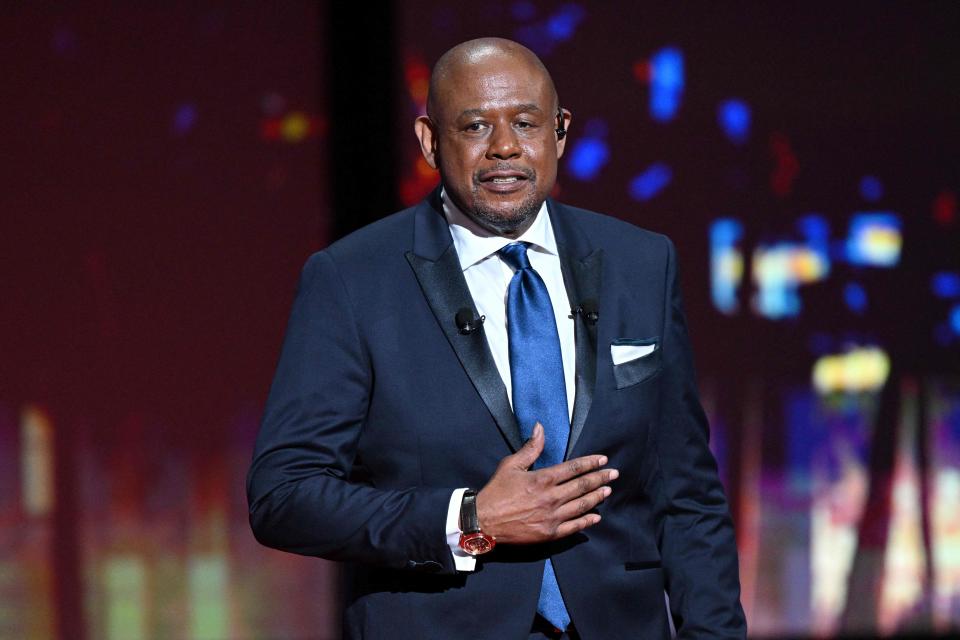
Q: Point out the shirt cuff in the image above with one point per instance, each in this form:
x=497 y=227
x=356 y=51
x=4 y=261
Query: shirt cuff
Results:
x=462 y=560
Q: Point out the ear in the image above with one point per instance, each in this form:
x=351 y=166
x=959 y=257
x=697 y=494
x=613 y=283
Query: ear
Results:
x=426 y=134
x=561 y=144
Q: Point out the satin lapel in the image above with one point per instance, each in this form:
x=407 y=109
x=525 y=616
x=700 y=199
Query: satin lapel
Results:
x=435 y=263
x=581 y=267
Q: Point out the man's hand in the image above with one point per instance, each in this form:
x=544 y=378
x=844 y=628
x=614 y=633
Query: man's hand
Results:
x=519 y=506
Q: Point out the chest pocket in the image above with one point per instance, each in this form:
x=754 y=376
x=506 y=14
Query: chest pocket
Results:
x=634 y=360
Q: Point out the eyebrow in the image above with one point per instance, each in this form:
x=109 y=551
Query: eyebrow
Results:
x=528 y=107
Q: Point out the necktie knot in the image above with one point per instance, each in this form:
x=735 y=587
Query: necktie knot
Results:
x=515 y=255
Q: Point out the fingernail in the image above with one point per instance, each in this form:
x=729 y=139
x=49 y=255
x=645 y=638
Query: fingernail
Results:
x=603 y=460
x=607 y=491
x=614 y=474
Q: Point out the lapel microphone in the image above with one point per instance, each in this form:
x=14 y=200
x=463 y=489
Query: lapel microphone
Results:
x=588 y=309
x=466 y=322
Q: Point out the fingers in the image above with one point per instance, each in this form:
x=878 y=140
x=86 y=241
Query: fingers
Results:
x=531 y=449
x=586 y=483
x=564 y=471
x=583 y=503
x=573 y=526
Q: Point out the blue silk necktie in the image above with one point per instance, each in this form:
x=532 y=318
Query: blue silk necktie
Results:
x=539 y=391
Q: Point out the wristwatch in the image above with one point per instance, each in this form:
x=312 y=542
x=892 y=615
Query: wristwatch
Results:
x=472 y=539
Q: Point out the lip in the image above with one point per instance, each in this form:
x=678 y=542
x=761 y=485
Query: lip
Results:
x=487 y=178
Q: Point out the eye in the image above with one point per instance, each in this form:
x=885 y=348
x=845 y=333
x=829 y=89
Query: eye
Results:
x=475 y=127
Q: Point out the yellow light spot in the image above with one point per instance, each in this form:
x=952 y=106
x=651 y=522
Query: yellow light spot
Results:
x=295 y=127
x=36 y=429
x=861 y=369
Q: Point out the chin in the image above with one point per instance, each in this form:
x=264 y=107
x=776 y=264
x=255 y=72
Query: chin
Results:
x=506 y=217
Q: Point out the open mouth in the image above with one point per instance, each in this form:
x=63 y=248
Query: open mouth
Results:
x=503 y=180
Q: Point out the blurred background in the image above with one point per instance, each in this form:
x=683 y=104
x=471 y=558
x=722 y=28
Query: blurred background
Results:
x=167 y=171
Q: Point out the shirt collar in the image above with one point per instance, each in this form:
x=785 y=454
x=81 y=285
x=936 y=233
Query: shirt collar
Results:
x=474 y=243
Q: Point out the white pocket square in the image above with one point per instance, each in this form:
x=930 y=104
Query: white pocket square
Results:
x=626 y=352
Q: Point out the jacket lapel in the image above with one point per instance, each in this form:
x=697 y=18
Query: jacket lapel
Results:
x=437 y=268
x=581 y=266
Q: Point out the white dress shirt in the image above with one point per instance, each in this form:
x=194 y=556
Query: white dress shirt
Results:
x=488 y=277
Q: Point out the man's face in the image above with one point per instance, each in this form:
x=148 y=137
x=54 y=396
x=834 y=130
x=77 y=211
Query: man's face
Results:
x=493 y=139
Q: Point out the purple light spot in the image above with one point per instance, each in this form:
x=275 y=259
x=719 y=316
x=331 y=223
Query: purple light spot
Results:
x=184 y=119
x=871 y=188
x=523 y=11
x=64 y=40
x=595 y=128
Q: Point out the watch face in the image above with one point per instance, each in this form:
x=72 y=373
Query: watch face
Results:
x=476 y=543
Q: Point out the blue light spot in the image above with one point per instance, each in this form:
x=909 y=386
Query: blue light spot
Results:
x=725 y=232
x=871 y=188
x=650 y=182
x=734 y=117
x=523 y=11
x=726 y=264
x=955 y=319
x=543 y=36
x=666 y=83
x=874 y=239
x=856 y=297
x=564 y=22
x=946 y=284
x=587 y=158
x=184 y=119
x=814 y=228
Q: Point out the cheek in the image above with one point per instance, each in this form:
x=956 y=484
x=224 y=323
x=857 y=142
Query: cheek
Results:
x=458 y=163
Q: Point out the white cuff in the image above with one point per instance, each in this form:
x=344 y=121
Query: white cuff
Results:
x=462 y=560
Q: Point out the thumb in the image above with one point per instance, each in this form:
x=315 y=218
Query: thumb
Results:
x=531 y=449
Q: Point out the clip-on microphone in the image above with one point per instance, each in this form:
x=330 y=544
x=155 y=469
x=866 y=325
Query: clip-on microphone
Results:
x=466 y=323
x=588 y=309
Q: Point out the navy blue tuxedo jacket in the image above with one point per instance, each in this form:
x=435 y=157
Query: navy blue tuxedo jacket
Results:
x=380 y=408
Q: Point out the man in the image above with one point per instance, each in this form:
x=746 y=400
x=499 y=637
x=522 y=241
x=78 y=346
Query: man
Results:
x=485 y=404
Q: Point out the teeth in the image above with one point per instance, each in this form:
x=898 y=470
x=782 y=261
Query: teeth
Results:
x=505 y=180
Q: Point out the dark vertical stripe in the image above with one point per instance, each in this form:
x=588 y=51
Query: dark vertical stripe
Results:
x=363 y=76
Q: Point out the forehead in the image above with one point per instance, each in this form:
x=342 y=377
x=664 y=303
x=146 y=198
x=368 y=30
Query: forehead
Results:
x=492 y=85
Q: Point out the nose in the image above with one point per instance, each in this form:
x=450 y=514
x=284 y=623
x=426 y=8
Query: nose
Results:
x=503 y=144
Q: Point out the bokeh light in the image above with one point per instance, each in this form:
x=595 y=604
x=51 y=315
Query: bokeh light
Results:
x=650 y=182
x=734 y=118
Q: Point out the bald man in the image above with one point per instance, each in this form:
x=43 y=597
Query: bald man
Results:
x=485 y=404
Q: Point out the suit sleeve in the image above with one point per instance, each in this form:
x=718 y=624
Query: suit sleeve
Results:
x=697 y=539
x=300 y=493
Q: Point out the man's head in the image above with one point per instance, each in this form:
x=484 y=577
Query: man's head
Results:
x=490 y=130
